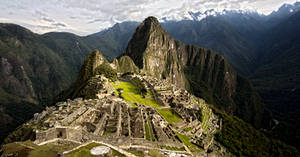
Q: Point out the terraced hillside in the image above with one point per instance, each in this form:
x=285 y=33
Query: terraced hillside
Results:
x=136 y=115
x=123 y=117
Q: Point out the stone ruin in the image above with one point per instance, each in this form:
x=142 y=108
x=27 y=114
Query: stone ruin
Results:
x=84 y=120
x=66 y=133
x=112 y=120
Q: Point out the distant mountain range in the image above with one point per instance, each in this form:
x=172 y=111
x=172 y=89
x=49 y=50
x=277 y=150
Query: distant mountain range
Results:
x=263 y=48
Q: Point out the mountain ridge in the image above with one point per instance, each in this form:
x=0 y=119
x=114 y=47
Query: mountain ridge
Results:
x=185 y=126
x=79 y=51
x=183 y=65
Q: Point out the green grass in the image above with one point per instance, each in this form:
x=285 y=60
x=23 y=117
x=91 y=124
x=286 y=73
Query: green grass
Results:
x=155 y=153
x=188 y=129
x=148 y=137
x=131 y=95
x=47 y=150
x=186 y=141
x=85 y=151
x=149 y=131
x=170 y=116
x=107 y=133
x=30 y=144
x=15 y=149
x=172 y=148
x=204 y=114
x=136 y=152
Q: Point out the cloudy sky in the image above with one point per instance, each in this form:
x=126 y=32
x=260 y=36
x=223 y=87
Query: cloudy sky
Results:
x=84 y=17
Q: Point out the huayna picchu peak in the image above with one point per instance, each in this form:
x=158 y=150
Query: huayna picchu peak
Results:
x=159 y=98
x=200 y=71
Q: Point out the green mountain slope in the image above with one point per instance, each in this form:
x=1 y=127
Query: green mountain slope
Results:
x=190 y=126
x=34 y=68
x=27 y=66
x=278 y=79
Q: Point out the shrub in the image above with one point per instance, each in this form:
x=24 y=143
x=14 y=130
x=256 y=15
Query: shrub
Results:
x=106 y=70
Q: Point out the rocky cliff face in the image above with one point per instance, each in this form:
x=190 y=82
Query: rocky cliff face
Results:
x=156 y=53
x=92 y=61
x=15 y=79
x=201 y=71
x=84 y=86
x=125 y=65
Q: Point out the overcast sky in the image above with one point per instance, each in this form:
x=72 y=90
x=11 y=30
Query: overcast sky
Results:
x=84 y=17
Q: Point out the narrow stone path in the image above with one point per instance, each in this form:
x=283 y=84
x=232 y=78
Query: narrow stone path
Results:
x=152 y=148
x=57 y=139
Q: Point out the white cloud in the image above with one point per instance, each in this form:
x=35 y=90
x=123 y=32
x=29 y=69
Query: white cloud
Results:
x=89 y=16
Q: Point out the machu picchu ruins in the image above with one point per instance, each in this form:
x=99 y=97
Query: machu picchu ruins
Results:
x=202 y=79
x=168 y=121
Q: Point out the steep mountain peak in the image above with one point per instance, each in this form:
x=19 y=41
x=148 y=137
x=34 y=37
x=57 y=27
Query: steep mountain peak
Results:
x=151 y=20
x=149 y=25
x=199 y=70
x=94 y=67
x=91 y=62
x=286 y=10
x=147 y=35
x=155 y=52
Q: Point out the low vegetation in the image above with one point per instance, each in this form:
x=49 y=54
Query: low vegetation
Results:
x=155 y=153
x=186 y=141
x=22 y=133
x=243 y=140
x=29 y=149
x=172 y=148
x=136 y=152
x=15 y=148
x=188 y=129
x=49 y=150
x=149 y=131
x=85 y=151
x=106 y=70
x=170 y=115
x=131 y=94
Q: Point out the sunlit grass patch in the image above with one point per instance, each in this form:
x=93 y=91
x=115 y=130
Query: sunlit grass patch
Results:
x=49 y=150
x=172 y=148
x=136 y=152
x=170 y=116
x=188 y=129
x=83 y=151
x=131 y=95
x=149 y=131
x=186 y=141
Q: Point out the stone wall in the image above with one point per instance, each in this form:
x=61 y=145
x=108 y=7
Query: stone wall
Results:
x=59 y=132
x=42 y=136
x=74 y=134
